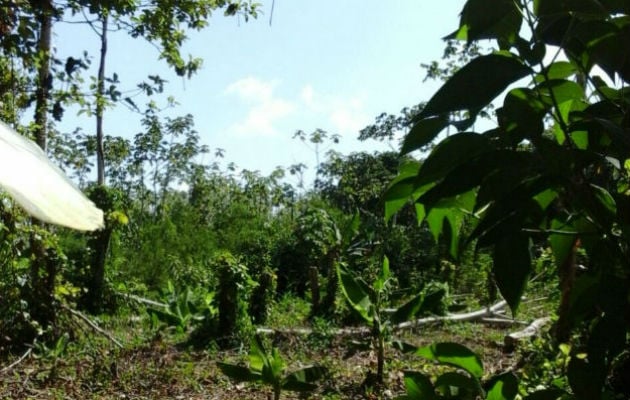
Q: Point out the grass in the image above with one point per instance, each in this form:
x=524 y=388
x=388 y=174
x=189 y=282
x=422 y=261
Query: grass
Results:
x=155 y=364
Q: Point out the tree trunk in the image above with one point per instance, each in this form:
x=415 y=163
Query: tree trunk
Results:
x=99 y=243
x=100 y=105
x=313 y=275
x=566 y=273
x=332 y=286
x=41 y=302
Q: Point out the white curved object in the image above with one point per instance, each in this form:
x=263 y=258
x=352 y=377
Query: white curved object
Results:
x=40 y=187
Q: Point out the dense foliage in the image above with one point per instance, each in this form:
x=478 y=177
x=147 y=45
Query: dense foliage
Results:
x=206 y=250
x=552 y=172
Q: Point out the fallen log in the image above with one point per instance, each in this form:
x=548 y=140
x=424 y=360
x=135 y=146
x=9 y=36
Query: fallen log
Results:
x=142 y=300
x=511 y=340
x=490 y=314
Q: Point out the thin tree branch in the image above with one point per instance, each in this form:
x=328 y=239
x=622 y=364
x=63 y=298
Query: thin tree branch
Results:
x=93 y=325
x=19 y=360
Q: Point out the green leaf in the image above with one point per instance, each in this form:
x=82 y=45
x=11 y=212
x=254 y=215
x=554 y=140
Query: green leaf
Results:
x=407 y=310
x=277 y=364
x=301 y=380
x=432 y=301
x=418 y=386
x=501 y=21
x=476 y=84
x=449 y=380
x=562 y=244
x=358 y=298
x=404 y=347
x=453 y=354
x=545 y=198
x=239 y=373
x=257 y=356
x=383 y=276
x=298 y=386
x=422 y=133
x=451 y=152
x=511 y=267
x=403 y=189
x=503 y=387
x=452 y=211
x=521 y=116
x=558 y=91
x=558 y=70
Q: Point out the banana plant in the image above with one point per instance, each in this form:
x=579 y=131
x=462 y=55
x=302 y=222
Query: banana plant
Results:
x=270 y=370
x=183 y=308
x=463 y=382
x=369 y=303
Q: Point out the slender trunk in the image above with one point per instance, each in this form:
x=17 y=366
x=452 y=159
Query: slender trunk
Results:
x=332 y=286
x=314 y=283
x=99 y=242
x=44 y=78
x=566 y=274
x=100 y=106
x=380 y=359
x=277 y=390
x=42 y=291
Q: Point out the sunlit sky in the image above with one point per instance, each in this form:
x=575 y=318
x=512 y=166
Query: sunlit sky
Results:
x=333 y=65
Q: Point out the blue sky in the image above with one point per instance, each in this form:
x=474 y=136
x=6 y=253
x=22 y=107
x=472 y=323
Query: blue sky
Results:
x=333 y=65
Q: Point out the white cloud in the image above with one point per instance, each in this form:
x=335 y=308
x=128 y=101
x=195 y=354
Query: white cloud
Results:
x=252 y=89
x=266 y=109
x=268 y=113
x=344 y=115
x=307 y=95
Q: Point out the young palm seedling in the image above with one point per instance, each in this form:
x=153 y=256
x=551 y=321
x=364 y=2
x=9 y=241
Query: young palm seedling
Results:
x=270 y=369
x=369 y=303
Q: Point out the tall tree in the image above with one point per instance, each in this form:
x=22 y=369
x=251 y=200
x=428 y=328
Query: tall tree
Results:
x=555 y=167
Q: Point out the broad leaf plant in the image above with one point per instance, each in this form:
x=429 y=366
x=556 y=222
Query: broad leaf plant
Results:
x=552 y=170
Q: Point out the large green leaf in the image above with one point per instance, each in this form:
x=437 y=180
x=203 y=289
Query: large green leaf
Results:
x=501 y=21
x=449 y=380
x=606 y=52
x=470 y=174
x=450 y=153
x=558 y=70
x=358 y=298
x=521 y=116
x=383 y=276
x=558 y=91
x=511 y=267
x=432 y=301
x=258 y=359
x=503 y=387
x=276 y=364
x=419 y=304
x=407 y=310
x=453 y=354
x=302 y=380
x=476 y=84
x=447 y=218
x=239 y=373
x=402 y=189
x=418 y=386
x=422 y=133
